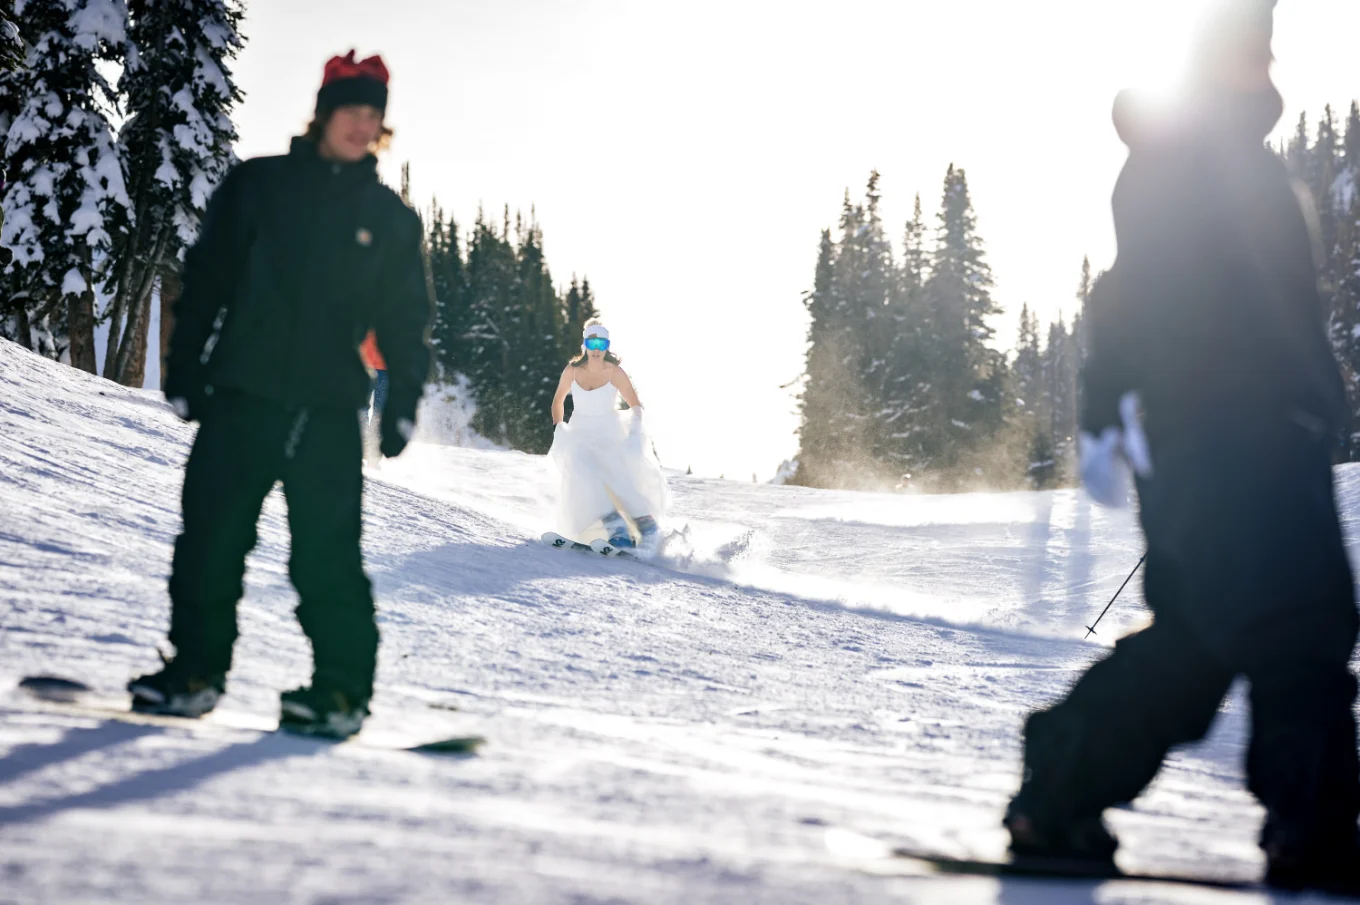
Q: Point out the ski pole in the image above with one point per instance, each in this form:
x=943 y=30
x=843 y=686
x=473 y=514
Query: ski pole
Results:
x=1091 y=629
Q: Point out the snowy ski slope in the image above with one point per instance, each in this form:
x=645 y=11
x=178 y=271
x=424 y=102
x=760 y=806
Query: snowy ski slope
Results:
x=807 y=671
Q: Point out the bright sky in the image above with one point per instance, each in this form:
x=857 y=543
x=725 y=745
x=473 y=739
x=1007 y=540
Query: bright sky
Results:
x=686 y=156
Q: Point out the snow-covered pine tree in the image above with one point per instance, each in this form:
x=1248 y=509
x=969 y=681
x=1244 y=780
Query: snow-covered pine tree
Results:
x=491 y=297
x=1034 y=438
x=970 y=376
x=1346 y=316
x=878 y=321
x=1351 y=143
x=538 y=343
x=11 y=47
x=1324 y=164
x=1084 y=287
x=578 y=309
x=819 y=396
x=177 y=141
x=448 y=274
x=1296 y=156
x=906 y=388
x=66 y=197
x=844 y=424
x=1060 y=377
x=13 y=314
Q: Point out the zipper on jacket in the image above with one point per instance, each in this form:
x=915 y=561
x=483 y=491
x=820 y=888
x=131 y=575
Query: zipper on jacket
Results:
x=295 y=435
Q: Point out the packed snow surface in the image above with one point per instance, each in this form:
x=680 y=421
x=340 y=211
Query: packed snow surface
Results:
x=805 y=673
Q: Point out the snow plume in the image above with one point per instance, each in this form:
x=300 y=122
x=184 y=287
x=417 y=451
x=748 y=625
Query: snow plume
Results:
x=446 y=414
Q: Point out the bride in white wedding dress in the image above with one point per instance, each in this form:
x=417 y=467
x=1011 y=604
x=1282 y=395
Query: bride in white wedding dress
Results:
x=611 y=480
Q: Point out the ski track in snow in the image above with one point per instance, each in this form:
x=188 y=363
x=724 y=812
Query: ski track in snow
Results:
x=804 y=670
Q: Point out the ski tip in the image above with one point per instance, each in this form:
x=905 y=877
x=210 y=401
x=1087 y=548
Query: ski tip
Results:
x=52 y=686
x=460 y=744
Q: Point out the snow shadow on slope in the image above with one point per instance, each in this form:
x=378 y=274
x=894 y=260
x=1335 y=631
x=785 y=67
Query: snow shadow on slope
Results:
x=158 y=782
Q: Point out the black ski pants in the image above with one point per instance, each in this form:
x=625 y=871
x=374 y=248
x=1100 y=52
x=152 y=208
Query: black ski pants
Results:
x=1247 y=575
x=244 y=445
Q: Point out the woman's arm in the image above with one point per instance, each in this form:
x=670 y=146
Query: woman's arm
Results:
x=625 y=388
x=559 y=403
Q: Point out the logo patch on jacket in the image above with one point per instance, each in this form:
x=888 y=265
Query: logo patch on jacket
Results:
x=363 y=237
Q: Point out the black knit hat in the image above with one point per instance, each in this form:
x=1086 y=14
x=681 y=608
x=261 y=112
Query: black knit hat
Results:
x=348 y=82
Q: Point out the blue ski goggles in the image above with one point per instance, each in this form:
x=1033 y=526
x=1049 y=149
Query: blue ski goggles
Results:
x=597 y=344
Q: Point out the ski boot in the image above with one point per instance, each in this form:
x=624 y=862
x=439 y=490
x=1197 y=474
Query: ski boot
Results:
x=324 y=712
x=1044 y=819
x=1085 y=840
x=617 y=528
x=1333 y=868
x=177 y=690
x=649 y=544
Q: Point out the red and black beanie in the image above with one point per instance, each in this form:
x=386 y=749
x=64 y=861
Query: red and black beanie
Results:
x=348 y=82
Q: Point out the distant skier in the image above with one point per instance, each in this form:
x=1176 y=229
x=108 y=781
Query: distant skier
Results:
x=299 y=256
x=1212 y=316
x=609 y=474
x=373 y=360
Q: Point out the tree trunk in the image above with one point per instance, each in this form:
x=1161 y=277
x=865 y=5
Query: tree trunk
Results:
x=135 y=375
x=170 y=292
x=80 y=327
x=140 y=308
x=115 y=333
x=24 y=327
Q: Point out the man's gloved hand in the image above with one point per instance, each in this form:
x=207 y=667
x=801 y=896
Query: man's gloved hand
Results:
x=398 y=424
x=186 y=395
x=1106 y=460
x=1104 y=472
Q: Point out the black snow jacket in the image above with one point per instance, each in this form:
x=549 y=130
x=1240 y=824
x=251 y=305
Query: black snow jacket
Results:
x=1212 y=313
x=298 y=258
x=1211 y=310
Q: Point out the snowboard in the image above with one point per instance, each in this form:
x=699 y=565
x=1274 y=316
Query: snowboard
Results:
x=72 y=696
x=1041 y=868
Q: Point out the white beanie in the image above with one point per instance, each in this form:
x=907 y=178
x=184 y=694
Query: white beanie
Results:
x=597 y=330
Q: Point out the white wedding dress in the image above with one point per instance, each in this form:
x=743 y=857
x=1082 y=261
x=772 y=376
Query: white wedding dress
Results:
x=607 y=465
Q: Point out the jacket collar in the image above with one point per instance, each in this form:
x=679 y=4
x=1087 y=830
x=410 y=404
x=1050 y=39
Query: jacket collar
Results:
x=305 y=150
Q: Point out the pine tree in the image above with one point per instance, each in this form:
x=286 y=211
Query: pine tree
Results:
x=846 y=433
x=1297 y=155
x=1032 y=419
x=13 y=312
x=66 y=198
x=538 y=345
x=969 y=404
x=1352 y=140
x=1346 y=317
x=448 y=274
x=906 y=389
x=11 y=46
x=579 y=309
x=820 y=397
x=177 y=142
x=1028 y=361
x=1060 y=378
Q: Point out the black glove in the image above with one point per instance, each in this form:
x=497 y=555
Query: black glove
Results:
x=186 y=395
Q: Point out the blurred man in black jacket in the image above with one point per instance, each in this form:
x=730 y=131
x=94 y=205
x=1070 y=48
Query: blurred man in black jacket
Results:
x=298 y=258
x=1211 y=323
